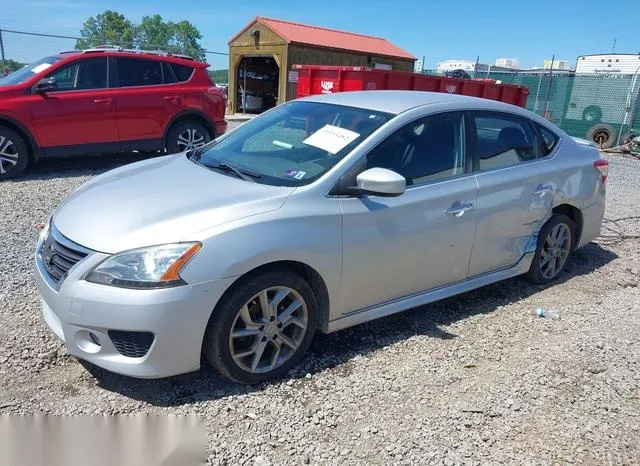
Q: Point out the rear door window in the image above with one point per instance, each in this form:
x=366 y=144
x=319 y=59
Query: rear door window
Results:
x=503 y=140
x=139 y=72
x=167 y=73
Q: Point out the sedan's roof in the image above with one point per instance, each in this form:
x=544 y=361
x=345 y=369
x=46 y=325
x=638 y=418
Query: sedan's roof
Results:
x=400 y=101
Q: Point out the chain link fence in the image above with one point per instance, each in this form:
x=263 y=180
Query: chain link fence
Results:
x=584 y=105
x=593 y=106
x=18 y=48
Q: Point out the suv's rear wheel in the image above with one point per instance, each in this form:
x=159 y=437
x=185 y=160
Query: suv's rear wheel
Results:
x=186 y=135
x=14 y=153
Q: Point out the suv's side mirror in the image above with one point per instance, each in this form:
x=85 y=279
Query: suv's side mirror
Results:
x=380 y=182
x=46 y=85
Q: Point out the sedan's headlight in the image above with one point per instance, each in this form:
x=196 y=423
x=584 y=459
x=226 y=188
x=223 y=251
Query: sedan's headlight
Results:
x=152 y=267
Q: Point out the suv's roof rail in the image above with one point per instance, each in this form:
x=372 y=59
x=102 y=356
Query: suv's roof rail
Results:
x=116 y=48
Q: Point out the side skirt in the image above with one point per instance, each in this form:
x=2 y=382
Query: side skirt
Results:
x=425 y=297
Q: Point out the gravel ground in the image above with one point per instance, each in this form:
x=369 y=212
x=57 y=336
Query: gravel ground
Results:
x=470 y=380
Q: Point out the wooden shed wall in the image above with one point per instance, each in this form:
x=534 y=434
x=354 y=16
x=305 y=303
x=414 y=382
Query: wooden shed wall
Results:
x=269 y=44
x=307 y=55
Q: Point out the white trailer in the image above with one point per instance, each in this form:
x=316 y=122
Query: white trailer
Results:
x=604 y=99
x=608 y=63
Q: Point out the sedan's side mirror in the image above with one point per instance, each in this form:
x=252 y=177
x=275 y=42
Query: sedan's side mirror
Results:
x=381 y=182
x=46 y=85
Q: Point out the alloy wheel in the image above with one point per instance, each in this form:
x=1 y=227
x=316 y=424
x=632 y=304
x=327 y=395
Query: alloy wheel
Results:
x=268 y=330
x=555 y=251
x=189 y=139
x=8 y=154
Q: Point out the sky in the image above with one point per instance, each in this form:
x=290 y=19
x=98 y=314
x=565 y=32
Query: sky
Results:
x=528 y=30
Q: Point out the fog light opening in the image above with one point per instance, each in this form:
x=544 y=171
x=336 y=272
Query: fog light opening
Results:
x=94 y=338
x=88 y=341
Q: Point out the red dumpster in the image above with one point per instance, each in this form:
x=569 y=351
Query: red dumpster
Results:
x=318 y=79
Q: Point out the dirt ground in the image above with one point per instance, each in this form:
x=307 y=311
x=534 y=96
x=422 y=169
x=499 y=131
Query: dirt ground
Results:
x=476 y=379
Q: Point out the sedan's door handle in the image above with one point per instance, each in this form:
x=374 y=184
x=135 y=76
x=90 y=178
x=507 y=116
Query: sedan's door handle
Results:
x=458 y=209
x=543 y=189
x=102 y=101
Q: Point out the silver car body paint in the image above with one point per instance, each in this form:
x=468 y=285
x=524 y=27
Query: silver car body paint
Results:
x=376 y=255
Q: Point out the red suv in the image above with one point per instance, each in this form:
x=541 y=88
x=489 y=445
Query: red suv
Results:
x=106 y=100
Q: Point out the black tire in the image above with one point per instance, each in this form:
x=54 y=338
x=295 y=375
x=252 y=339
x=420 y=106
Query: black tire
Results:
x=14 y=153
x=216 y=340
x=592 y=113
x=174 y=143
x=535 y=275
x=603 y=135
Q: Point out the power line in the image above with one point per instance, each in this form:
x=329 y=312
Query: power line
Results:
x=57 y=36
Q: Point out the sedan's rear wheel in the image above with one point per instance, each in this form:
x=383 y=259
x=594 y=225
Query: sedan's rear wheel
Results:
x=555 y=244
x=262 y=328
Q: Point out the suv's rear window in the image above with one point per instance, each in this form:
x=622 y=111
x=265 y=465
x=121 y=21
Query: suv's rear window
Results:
x=183 y=73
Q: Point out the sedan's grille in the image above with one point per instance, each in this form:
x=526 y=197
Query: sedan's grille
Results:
x=58 y=255
x=131 y=344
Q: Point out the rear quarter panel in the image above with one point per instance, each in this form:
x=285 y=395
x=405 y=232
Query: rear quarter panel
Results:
x=580 y=185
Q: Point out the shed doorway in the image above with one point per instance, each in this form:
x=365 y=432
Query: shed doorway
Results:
x=257 y=84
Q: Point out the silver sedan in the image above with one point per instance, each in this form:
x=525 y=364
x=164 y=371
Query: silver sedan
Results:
x=320 y=214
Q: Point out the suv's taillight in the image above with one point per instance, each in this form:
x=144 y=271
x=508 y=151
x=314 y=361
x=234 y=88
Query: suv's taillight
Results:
x=603 y=168
x=217 y=91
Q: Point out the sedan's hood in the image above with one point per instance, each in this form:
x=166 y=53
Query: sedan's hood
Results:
x=158 y=201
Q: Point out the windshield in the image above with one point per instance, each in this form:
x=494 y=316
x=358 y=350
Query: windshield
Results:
x=27 y=71
x=295 y=143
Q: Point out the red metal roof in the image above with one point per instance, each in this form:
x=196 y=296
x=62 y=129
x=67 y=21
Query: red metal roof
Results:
x=331 y=38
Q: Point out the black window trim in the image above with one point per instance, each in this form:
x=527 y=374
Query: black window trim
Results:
x=167 y=65
x=75 y=62
x=522 y=119
x=348 y=179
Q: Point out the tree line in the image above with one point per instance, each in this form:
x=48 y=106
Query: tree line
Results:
x=152 y=33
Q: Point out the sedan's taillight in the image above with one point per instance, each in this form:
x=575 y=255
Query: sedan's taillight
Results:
x=603 y=168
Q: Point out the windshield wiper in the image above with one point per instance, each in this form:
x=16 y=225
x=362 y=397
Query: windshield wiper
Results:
x=245 y=174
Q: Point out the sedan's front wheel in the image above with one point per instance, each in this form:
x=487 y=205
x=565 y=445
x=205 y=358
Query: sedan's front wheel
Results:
x=262 y=328
x=555 y=244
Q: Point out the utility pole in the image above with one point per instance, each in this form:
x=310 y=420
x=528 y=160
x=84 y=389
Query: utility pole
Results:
x=613 y=49
x=2 y=50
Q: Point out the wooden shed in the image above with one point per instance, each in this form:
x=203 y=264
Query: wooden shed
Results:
x=262 y=54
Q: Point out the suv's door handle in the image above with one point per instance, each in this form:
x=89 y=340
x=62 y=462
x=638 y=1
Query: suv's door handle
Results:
x=458 y=209
x=542 y=189
x=102 y=101
x=172 y=98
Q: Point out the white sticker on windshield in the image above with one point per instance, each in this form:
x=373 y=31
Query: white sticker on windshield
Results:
x=40 y=67
x=331 y=138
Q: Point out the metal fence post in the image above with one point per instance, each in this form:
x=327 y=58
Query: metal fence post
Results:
x=535 y=107
x=546 y=100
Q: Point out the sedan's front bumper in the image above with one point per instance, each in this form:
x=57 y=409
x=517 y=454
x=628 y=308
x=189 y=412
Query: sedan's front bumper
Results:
x=82 y=314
